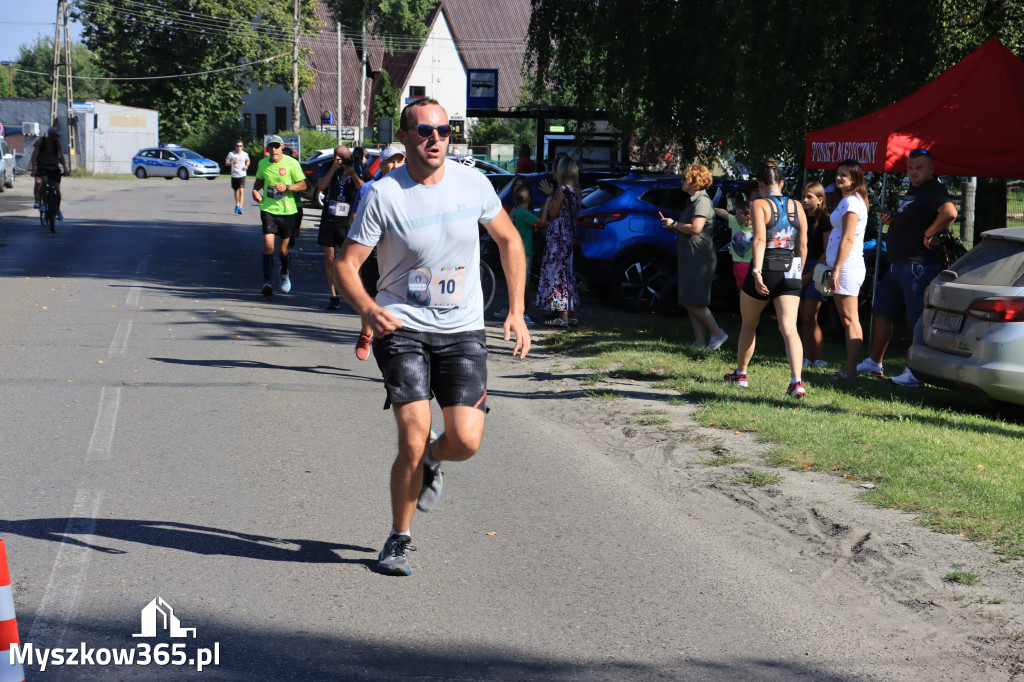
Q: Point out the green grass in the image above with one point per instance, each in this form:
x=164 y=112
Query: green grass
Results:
x=604 y=395
x=652 y=417
x=963 y=577
x=83 y=173
x=948 y=457
x=721 y=460
x=760 y=478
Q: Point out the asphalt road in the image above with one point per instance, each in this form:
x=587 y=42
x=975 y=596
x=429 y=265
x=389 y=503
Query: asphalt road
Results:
x=169 y=434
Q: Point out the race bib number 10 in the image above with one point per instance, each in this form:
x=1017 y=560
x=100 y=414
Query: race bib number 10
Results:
x=437 y=287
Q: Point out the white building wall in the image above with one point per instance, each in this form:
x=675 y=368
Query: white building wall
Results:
x=112 y=133
x=265 y=102
x=440 y=70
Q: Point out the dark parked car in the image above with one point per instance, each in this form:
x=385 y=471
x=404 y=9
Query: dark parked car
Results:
x=623 y=248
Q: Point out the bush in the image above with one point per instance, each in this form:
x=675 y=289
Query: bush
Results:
x=216 y=141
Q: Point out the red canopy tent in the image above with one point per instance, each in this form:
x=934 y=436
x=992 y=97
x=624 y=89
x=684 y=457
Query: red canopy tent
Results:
x=971 y=119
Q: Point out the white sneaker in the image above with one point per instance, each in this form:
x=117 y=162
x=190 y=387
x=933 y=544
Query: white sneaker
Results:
x=286 y=284
x=717 y=340
x=871 y=368
x=820 y=363
x=807 y=363
x=908 y=379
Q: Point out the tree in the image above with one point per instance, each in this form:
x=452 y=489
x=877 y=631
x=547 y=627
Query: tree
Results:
x=779 y=68
x=205 y=37
x=397 y=23
x=386 y=101
x=38 y=58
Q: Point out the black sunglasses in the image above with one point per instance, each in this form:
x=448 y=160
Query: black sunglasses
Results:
x=425 y=130
x=273 y=145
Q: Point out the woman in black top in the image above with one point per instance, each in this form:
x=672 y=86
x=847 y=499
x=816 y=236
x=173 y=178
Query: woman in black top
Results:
x=818 y=227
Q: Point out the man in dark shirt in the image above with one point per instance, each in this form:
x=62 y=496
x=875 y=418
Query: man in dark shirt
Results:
x=915 y=257
x=341 y=182
x=48 y=162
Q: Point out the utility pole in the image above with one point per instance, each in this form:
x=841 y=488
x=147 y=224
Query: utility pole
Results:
x=295 y=70
x=362 y=85
x=337 y=116
x=62 y=51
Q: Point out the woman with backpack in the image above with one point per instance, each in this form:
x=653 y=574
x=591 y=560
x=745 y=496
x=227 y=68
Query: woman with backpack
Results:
x=779 y=247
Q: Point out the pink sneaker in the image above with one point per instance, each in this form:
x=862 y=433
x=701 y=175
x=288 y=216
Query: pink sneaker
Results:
x=797 y=390
x=363 y=346
x=737 y=378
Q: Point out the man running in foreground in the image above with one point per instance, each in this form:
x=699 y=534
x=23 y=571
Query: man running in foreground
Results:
x=427 y=320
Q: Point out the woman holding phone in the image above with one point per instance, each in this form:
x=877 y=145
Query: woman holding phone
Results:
x=696 y=257
x=845 y=256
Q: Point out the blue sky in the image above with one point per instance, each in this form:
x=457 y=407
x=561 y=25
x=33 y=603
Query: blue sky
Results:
x=22 y=21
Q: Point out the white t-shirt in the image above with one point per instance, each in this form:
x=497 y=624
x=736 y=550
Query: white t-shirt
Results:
x=237 y=161
x=428 y=246
x=850 y=204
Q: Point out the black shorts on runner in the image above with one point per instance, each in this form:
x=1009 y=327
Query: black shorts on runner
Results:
x=51 y=173
x=451 y=367
x=776 y=282
x=332 y=232
x=284 y=226
x=238 y=183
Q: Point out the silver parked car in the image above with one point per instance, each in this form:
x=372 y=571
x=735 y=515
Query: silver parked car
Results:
x=971 y=335
x=6 y=165
x=170 y=160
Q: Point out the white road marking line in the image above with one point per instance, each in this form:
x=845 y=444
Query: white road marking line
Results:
x=133 y=295
x=106 y=422
x=61 y=596
x=120 y=341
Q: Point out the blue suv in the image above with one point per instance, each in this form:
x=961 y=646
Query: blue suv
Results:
x=622 y=246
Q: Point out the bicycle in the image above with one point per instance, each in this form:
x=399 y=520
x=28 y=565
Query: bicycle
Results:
x=49 y=209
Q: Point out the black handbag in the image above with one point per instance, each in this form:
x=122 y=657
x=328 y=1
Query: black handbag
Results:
x=952 y=248
x=778 y=260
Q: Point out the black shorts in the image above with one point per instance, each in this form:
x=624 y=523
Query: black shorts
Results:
x=418 y=365
x=776 y=282
x=238 y=183
x=51 y=173
x=333 y=231
x=284 y=226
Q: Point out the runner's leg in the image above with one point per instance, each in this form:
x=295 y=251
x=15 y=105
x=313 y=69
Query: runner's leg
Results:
x=413 y=420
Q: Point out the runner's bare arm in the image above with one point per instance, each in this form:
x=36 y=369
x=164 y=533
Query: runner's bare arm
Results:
x=257 y=190
x=346 y=270
x=513 y=262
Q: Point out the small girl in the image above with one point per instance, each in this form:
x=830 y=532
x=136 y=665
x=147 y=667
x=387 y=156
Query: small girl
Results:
x=742 y=233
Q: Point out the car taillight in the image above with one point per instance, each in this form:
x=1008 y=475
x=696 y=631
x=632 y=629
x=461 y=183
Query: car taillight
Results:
x=599 y=220
x=998 y=309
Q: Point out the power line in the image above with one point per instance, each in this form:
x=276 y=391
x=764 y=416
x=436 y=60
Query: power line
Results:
x=153 y=78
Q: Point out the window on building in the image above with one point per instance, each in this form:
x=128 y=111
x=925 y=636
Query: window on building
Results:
x=280 y=119
x=261 y=125
x=417 y=91
x=247 y=122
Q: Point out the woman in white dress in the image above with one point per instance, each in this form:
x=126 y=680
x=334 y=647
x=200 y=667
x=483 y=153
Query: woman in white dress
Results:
x=845 y=256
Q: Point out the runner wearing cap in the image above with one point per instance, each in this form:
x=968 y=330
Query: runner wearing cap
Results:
x=391 y=158
x=238 y=161
x=341 y=182
x=279 y=208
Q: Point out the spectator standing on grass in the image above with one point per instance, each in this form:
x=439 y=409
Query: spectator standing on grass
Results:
x=556 y=290
x=844 y=254
x=696 y=257
x=915 y=258
x=778 y=249
x=818 y=229
x=741 y=235
x=238 y=161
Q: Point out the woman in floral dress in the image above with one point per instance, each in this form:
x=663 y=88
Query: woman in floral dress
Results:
x=556 y=291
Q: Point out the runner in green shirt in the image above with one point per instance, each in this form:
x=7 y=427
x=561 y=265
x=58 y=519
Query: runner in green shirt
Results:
x=279 y=208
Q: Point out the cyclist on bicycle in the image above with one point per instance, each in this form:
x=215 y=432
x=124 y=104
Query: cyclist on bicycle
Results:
x=47 y=165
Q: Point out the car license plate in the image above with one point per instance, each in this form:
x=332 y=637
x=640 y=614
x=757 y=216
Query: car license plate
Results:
x=947 y=321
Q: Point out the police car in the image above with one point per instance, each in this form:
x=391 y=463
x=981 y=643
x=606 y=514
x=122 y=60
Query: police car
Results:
x=169 y=160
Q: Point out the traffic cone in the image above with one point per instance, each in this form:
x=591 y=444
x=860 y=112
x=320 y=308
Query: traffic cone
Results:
x=9 y=672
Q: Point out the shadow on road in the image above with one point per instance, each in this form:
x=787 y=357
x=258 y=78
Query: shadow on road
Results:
x=189 y=538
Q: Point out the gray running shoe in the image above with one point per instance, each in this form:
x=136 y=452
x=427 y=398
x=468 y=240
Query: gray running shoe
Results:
x=433 y=483
x=394 y=558
x=286 y=284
